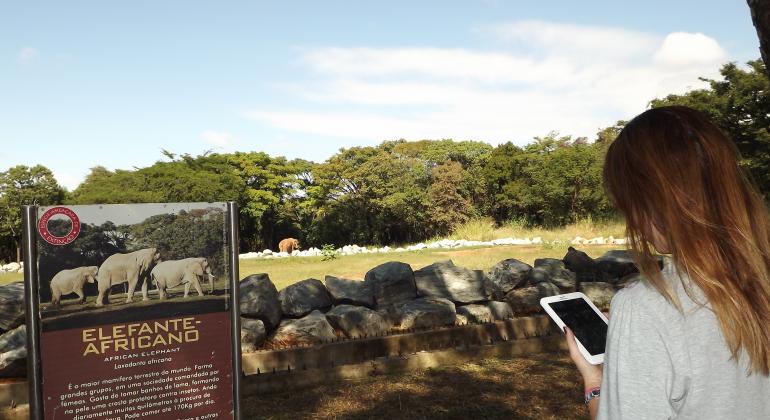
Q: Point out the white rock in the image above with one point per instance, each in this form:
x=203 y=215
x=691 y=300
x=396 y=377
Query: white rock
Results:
x=14 y=267
x=537 y=240
x=267 y=252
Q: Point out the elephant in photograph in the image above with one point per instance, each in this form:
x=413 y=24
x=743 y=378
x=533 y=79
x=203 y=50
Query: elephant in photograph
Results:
x=71 y=281
x=189 y=271
x=126 y=268
x=288 y=245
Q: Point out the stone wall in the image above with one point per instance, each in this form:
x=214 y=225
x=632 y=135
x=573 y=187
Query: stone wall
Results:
x=392 y=298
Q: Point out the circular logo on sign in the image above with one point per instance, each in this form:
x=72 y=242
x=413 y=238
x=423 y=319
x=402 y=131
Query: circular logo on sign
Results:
x=42 y=226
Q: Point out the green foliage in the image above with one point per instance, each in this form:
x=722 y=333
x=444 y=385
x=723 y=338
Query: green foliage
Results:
x=328 y=253
x=23 y=185
x=448 y=205
x=393 y=193
x=552 y=181
x=197 y=233
x=740 y=105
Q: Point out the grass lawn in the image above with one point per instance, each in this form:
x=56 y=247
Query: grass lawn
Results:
x=286 y=271
x=540 y=386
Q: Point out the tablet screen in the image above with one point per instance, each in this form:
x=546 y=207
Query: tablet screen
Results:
x=584 y=322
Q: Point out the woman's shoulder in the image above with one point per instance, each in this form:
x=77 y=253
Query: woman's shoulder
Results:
x=639 y=293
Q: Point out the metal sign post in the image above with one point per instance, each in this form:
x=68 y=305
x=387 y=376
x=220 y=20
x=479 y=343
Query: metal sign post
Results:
x=34 y=376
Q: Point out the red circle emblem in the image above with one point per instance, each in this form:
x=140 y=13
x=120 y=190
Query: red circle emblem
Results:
x=42 y=226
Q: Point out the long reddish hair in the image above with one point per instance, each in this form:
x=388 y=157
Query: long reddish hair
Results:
x=673 y=168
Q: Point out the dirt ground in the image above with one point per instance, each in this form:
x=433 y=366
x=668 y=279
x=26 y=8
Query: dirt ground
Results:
x=540 y=386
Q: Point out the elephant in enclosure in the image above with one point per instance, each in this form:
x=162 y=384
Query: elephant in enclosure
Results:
x=71 y=281
x=288 y=245
x=126 y=268
x=189 y=271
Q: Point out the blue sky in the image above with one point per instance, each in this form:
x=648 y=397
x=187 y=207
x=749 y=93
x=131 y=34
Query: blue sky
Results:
x=86 y=83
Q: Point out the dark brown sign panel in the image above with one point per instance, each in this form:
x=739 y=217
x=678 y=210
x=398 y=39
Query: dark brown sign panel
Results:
x=136 y=319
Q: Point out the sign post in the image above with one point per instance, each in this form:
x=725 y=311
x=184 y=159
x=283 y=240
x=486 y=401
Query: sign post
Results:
x=120 y=325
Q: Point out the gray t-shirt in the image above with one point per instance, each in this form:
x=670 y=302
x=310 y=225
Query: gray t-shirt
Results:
x=660 y=364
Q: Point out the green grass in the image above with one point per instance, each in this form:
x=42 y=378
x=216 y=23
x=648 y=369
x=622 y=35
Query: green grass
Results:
x=6 y=278
x=485 y=230
x=286 y=271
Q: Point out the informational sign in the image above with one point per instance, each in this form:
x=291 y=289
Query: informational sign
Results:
x=133 y=313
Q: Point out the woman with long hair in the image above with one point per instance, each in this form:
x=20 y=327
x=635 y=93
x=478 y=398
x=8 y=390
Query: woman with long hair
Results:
x=691 y=340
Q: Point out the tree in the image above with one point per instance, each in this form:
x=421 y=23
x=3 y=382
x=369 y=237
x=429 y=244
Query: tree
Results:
x=760 y=16
x=448 y=205
x=503 y=177
x=23 y=185
x=740 y=105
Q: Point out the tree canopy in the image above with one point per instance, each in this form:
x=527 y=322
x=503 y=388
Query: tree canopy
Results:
x=398 y=191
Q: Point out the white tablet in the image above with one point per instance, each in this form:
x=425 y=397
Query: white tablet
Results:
x=585 y=320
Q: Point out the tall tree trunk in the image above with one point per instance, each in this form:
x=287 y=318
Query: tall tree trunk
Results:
x=18 y=251
x=760 y=15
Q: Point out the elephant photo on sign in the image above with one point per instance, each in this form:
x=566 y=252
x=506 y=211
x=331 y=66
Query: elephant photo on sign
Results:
x=72 y=281
x=126 y=268
x=188 y=271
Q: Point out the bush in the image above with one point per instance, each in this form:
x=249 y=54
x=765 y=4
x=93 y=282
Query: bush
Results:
x=329 y=253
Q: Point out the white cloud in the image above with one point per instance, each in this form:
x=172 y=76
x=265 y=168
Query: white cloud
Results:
x=216 y=138
x=542 y=77
x=683 y=49
x=28 y=55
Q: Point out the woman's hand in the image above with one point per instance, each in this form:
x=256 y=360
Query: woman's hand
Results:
x=592 y=374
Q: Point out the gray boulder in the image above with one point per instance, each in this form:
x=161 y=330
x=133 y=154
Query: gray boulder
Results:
x=488 y=311
x=391 y=283
x=564 y=279
x=259 y=299
x=581 y=264
x=443 y=279
x=613 y=265
x=13 y=353
x=357 y=321
x=549 y=263
x=509 y=274
x=527 y=299
x=600 y=293
x=303 y=297
x=11 y=305
x=426 y=313
x=253 y=334
x=353 y=292
x=538 y=275
x=311 y=329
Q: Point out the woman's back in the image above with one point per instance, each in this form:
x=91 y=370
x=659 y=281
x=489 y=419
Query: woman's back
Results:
x=661 y=363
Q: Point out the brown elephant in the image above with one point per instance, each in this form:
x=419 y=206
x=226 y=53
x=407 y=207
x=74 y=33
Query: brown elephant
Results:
x=288 y=245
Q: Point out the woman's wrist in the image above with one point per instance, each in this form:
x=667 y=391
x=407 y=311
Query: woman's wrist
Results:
x=591 y=383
